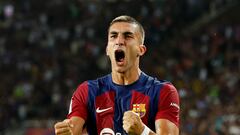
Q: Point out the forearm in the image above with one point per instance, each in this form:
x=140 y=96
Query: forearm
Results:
x=77 y=125
x=166 y=127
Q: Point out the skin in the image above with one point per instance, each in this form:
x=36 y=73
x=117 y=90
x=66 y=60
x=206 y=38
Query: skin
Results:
x=133 y=124
x=126 y=37
x=73 y=126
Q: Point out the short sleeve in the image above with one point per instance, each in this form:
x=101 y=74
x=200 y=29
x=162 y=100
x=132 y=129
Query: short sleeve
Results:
x=168 y=106
x=78 y=103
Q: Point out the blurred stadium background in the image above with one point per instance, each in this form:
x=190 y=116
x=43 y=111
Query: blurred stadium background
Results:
x=48 y=47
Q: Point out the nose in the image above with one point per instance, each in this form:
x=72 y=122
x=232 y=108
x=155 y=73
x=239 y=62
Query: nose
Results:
x=120 y=40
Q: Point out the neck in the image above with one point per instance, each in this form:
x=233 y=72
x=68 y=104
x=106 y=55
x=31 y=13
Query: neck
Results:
x=126 y=78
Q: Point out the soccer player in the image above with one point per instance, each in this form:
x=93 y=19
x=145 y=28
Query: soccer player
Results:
x=126 y=101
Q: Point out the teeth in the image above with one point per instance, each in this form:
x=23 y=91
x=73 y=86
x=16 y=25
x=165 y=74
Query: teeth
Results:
x=121 y=60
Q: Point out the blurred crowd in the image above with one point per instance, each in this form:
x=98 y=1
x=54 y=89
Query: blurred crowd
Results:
x=47 y=48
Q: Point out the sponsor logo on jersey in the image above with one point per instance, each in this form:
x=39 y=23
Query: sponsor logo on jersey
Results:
x=107 y=131
x=140 y=109
x=103 y=110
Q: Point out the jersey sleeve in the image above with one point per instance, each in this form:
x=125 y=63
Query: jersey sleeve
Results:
x=78 y=103
x=168 y=105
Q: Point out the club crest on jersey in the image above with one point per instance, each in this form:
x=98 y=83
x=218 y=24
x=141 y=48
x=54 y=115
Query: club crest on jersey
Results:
x=139 y=109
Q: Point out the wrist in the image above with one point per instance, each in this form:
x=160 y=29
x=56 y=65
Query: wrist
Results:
x=145 y=131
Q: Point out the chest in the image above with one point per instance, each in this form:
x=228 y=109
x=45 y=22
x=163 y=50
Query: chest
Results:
x=107 y=107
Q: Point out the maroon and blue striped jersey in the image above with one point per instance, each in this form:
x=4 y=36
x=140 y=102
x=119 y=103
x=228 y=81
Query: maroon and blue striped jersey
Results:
x=102 y=103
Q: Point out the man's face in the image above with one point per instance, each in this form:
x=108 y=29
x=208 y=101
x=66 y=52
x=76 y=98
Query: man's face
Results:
x=124 y=46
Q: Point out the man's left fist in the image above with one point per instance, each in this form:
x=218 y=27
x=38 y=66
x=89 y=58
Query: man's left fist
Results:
x=132 y=123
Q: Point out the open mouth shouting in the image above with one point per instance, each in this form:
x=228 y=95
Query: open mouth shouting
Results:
x=119 y=57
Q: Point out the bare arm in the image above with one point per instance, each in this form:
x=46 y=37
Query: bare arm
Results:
x=72 y=126
x=78 y=123
x=166 y=127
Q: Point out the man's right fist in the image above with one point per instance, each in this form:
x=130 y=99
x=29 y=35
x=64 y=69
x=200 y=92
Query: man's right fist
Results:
x=64 y=127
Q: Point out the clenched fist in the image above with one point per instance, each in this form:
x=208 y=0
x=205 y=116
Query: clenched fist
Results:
x=64 y=127
x=132 y=123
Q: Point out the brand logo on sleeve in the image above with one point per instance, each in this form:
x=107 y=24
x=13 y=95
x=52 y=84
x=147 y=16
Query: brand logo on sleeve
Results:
x=140 y=109
x=175 y=105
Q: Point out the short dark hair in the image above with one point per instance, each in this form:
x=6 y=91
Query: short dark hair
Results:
x=129 y=19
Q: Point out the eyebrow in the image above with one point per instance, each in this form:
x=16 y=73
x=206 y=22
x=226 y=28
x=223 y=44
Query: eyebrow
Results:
x=124 y=33
x=113 y=32
x=127 y=33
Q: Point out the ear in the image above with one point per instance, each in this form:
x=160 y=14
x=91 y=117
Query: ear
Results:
x=142 y=50
x=107 y=53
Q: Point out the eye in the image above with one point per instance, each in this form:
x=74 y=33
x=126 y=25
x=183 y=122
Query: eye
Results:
x=113 y=36
x=128 y=36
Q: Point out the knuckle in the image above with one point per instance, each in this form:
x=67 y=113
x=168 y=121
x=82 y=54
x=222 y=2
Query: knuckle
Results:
x=126 y=113
x=56 y=132
x=66 y=120
x=56 y=125
x=125 y=128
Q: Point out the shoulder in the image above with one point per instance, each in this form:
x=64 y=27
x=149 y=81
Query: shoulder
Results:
x=169 y=95
x=157 y=82
x=169 y=86
x=100 y=80
x=167 y=89
x=164 y=87
x=169 y=103
x=93 y=84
